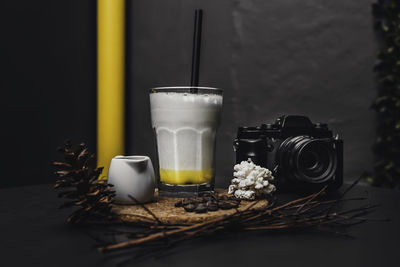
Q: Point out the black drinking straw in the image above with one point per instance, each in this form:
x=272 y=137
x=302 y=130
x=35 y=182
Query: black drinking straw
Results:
x=198 y=19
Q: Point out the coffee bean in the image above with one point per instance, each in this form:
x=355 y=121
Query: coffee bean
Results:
x=212 y=207
x=206 y=199
x=227 y=204
x=224 y=197
x=189 y=207
x=187 y=201
x=223 y=205
x=201 y=208
x=208 y=202
x=179 y=204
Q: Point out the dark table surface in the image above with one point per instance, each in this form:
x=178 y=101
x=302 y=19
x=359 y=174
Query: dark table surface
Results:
x=33 y=233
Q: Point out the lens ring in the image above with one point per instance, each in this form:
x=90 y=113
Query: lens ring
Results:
x=306 y=159
x=326 y=166
x=309 y=160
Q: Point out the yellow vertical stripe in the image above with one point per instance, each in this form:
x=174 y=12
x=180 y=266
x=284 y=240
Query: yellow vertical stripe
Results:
x=110 y=81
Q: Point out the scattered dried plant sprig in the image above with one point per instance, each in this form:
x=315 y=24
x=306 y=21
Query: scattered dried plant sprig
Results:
x=312 y=211
x=78 y=176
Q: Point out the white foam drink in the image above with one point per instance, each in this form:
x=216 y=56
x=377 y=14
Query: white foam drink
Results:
x=185 y=121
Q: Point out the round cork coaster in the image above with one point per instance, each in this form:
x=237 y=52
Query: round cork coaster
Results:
x=164 y=209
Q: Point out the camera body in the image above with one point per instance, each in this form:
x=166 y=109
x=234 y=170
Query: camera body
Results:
x=303 y=156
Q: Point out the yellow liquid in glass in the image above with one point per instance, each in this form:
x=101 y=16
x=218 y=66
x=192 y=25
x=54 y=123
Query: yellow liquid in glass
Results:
x=184 y=177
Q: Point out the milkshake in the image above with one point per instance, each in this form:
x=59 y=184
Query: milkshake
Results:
x=185 y=121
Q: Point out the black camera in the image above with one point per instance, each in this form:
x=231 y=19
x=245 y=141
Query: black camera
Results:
x=302 y=155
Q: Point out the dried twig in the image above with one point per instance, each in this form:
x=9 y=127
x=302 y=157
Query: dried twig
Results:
x=305 y=212
x=79 y=176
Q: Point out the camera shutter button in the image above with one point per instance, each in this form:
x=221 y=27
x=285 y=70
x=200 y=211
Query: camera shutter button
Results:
x=321 y=125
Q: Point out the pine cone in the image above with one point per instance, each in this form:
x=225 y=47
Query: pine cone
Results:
x=78 y=176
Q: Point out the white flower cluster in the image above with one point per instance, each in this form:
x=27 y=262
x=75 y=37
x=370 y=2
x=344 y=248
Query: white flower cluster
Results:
x=251 y=181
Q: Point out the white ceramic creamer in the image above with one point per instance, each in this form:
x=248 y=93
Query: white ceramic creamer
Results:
x=134 y=176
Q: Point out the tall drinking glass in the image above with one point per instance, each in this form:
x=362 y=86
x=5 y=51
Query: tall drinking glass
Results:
x=185 y=121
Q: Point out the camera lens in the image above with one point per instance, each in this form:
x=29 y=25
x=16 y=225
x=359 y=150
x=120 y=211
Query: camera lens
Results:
x=307 y=159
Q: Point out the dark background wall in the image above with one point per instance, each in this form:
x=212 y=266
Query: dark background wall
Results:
x=47 y=83
x=311 y=57
x=270 y=57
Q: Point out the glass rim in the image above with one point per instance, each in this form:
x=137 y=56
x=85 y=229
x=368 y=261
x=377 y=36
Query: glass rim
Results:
x=186 y=89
